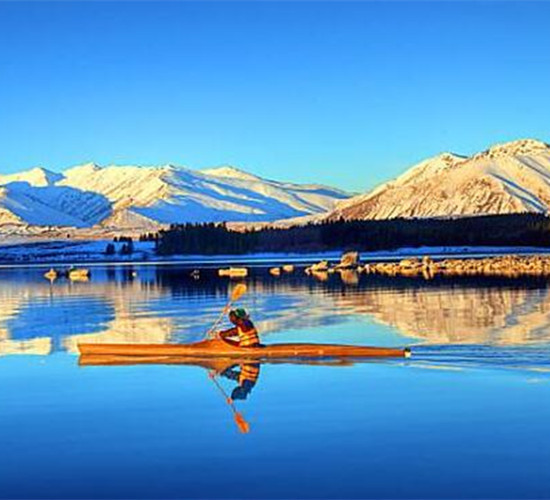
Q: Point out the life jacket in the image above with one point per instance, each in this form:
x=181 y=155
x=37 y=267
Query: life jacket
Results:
x=248 y=335
x=250 y=372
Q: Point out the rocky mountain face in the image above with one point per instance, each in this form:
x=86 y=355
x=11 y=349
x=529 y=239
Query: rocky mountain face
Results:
x=133 y=197
x=507 y=178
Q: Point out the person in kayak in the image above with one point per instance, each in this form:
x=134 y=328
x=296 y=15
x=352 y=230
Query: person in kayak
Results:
x=243 y=333
x=246 y=377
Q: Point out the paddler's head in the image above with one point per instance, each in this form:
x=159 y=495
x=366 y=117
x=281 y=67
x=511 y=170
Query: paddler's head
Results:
x=237 y=315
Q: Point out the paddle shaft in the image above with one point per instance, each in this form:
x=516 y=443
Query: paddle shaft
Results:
x=236 y=294
x=238 y=416
x=225 y=310
x=229 y=401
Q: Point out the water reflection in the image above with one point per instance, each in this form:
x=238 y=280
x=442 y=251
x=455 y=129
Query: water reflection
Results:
x=235 y=379
x=497 y=312
x=245 y=375
x=165 y=304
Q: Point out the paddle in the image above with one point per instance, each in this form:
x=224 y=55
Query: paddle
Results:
x=235 y=295
x=242 y=424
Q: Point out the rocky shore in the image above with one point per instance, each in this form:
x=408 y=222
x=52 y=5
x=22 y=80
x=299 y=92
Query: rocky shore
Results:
x=508 y=265
x=428 y=268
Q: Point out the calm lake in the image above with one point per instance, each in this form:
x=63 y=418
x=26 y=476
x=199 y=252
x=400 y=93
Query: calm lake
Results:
x=468 y=416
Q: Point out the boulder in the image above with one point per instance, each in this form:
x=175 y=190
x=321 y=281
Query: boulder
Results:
x=349 y=260
x=234 y=272
x=275 y=271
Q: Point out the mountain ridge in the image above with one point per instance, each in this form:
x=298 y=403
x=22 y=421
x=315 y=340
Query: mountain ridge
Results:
x=90 y=195
x=511 y=177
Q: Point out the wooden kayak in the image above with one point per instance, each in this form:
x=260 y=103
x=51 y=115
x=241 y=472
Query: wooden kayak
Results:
x=218 y=348
x=217 y=364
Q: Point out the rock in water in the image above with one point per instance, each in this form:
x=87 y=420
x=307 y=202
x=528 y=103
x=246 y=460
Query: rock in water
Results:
x=275 y=271
x=349 y=260
x=319 y=267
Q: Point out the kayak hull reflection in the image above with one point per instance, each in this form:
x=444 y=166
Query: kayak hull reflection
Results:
x=217 y=364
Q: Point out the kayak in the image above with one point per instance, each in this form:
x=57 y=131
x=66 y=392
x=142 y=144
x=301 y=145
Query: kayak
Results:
x=218 y=348
x=217 y=364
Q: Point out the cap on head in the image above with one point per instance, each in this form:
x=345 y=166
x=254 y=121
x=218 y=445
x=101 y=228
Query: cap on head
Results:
x=239 y=313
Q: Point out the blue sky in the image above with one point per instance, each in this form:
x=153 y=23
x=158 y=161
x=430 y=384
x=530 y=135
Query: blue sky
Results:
x=348 y=94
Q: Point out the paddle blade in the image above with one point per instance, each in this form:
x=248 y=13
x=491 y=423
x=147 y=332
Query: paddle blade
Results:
x=242 y=424
x=238 y=292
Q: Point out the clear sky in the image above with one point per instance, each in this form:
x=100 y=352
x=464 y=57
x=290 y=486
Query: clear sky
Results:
x=349 y=94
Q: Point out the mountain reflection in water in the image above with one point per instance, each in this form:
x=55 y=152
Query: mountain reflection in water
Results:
x=157 y=304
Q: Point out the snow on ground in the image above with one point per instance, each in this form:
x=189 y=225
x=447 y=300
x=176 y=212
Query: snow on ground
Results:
x=74 y=252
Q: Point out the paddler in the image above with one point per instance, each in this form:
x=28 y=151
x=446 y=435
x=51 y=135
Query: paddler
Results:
x=243 y=333
x=246 y=377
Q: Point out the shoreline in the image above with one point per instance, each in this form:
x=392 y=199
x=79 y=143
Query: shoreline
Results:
x=92 y=253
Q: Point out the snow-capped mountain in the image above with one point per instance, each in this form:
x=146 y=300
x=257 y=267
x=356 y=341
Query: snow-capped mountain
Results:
x=507 y=178
x=146 y=197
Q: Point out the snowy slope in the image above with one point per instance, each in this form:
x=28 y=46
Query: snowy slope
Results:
x=145 y=197
x=171 y=194
x=35 y=177
x=52 y=205
x=507 y=178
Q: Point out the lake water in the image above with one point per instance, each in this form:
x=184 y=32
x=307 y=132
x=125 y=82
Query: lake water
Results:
x=468 y=416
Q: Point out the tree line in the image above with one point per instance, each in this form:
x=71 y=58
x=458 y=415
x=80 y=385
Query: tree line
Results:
x=366 y=235
x=127 y=247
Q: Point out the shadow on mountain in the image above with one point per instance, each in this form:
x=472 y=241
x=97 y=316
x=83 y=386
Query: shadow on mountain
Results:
x=55 y=205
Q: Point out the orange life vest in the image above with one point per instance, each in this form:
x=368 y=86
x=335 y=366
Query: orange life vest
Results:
x=248 y=337
x=250 y=372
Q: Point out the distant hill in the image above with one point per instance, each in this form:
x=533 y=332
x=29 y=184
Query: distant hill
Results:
x=134 y=197
x=507 y=178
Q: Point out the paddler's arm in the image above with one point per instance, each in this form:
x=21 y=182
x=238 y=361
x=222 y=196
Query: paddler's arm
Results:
x=226 y=335
x=230 y=332
x=231 y=373
x=241 y=392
